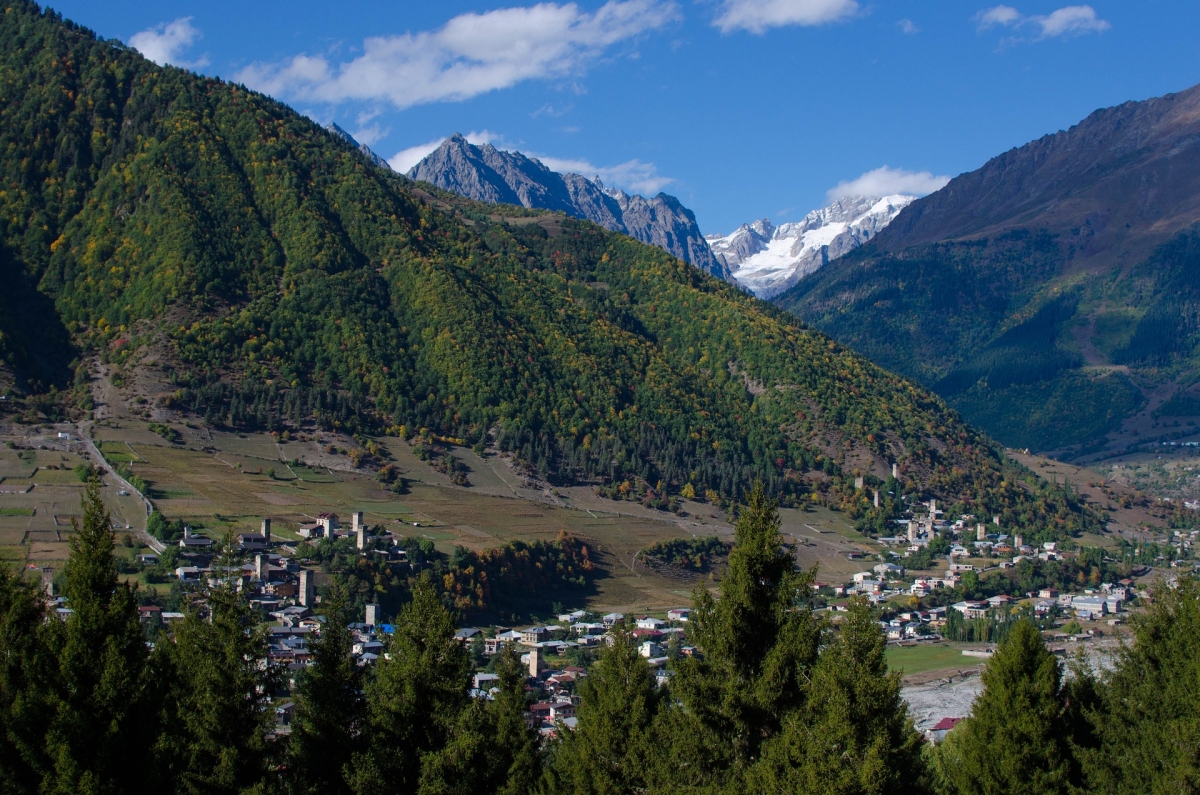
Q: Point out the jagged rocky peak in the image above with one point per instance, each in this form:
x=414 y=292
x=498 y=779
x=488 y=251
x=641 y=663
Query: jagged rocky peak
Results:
x=768 y=259
x=745 y=241
x=488 y=174
x=763 y=228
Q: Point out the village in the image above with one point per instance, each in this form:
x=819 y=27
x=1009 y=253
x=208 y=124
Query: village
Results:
x=965 y=540
x=945 y=589
x=914 y=607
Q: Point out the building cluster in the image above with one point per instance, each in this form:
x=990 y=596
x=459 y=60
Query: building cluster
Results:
x=1183 y=541
x=271 y=578
x=280 y=586
x=1106 y=601
x=1093 y=604
x=543 y=648
x=969 y=536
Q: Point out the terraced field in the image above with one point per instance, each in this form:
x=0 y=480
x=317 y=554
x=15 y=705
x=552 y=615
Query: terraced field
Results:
x=37 y=503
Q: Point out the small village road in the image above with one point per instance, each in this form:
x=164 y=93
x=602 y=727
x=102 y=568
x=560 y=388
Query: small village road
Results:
x=98 y=460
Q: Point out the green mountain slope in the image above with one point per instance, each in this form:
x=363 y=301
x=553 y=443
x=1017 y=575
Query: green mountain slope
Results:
x=1047 y=295
x=988 y=325
x=291 y=281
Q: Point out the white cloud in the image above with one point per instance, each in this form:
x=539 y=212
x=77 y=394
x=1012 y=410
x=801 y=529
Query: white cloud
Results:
x=1071 y=21
x=370 y=134
x=481 y=137
x=757 y=16
x=1000 y=15
x=1066 y=21
x=165 y=43
x=553 y=112
x=633 y=175
x=405 y=159
x=471 y=54
x=907 y=26
x=887 y=181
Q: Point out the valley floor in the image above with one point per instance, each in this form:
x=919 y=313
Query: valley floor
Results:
x=222 y=481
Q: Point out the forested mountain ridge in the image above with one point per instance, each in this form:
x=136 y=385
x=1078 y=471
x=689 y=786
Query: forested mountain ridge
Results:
x=1046 y=294
x=290 y=281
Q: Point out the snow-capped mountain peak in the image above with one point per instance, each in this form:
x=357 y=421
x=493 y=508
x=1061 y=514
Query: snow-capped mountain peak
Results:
x=768 y=259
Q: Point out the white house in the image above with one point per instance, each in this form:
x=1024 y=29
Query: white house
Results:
x=971 y=609
x=1090 y=605
x=889 y=570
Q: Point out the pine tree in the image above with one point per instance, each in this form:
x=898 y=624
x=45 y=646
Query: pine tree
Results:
x=24 y=691
x=215 y=738
x=329 y=707
x=491 y=749
x=520 y=762
x=104 y=720
x=1015 y=741
x=415 y=698
x=854 y=735
x=1148 y=720
x=758 y=643
x=605 y=754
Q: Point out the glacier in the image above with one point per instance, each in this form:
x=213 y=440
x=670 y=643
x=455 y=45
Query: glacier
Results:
x=767 y=259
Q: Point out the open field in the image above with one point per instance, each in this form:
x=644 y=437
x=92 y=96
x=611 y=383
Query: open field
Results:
x=228 y=488
x=922 y=658
x=37 y=505
x=1122 y=520
x=220 y=482
x=826 y=538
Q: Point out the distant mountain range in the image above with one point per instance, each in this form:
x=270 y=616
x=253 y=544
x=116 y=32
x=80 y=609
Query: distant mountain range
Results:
x=1052 y=295
x=768 y=259
x=487 y=174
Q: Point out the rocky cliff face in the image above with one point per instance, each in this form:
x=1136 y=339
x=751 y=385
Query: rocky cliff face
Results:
x=767 y=259
x=485 y=173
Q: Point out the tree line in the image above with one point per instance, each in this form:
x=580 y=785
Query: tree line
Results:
x=777 y=698
x=520 y=578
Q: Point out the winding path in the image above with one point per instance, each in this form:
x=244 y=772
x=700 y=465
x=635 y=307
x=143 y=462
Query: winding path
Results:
x=99 y=461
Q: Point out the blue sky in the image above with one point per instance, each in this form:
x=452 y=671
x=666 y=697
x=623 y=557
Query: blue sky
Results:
x=743 y=109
